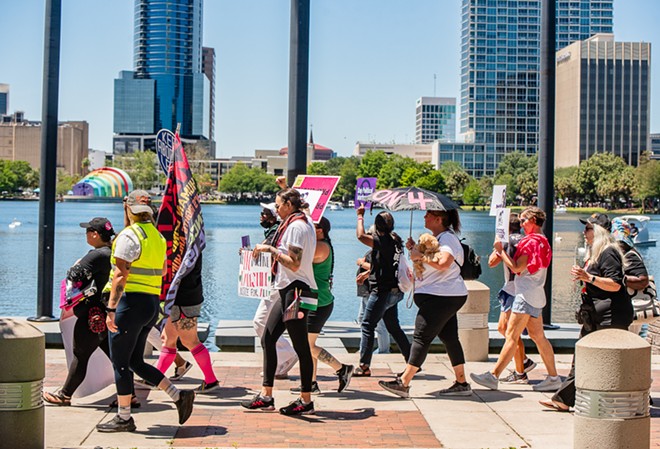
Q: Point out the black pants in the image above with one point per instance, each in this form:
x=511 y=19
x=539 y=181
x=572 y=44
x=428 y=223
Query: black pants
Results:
x=85 y=343
x=297 y=330
x=136 y=315
x=436 y=317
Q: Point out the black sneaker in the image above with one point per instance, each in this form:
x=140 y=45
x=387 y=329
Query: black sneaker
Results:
x=259 y=403
x=457 y=390
x=298 y=389
x=298 y=408
x=117 y=424
x=344 y=374
x=181 y=371
x=396 y=387
x=207 y=388
x=185 y=405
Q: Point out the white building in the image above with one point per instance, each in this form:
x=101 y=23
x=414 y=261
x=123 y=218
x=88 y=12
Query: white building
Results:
x=435 y=119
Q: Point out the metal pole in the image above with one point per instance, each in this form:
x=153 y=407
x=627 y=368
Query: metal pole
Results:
x=50 y=97
x=546 y=154
x=298 y=89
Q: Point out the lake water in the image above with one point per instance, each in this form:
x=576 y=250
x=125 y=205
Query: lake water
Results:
x=225 y=224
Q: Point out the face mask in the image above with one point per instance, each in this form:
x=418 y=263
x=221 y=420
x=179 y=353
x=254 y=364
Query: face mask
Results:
x=266 y=223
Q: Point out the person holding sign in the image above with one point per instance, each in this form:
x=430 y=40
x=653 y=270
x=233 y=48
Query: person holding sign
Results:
x=293 y=250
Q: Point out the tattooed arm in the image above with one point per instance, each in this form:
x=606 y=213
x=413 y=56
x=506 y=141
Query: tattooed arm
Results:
x=117 y=290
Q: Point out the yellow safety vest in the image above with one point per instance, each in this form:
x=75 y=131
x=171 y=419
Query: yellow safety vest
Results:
x=146 y=273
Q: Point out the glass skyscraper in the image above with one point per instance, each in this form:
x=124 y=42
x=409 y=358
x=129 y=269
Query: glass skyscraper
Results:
x=435 y=119
x=500 y=65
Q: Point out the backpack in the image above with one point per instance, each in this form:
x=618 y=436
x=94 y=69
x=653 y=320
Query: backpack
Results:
x=471 y=268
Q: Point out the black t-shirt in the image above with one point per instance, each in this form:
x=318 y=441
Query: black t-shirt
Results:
x=613 y=308
x=190 y=292
x=363 y=289
x=96 y=262
x=634 y=264
x=383 y=271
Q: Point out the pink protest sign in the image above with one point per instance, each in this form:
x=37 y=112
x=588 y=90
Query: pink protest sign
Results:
x=316 y=191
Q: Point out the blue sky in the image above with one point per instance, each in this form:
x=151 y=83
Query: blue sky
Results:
x=369 y=61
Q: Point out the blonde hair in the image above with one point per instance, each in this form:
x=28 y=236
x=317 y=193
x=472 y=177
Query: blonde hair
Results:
x=602 y=240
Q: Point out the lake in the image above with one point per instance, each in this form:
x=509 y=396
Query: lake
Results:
x=225 y=224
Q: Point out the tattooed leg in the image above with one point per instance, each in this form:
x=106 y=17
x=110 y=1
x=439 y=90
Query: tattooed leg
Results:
x=329 y=359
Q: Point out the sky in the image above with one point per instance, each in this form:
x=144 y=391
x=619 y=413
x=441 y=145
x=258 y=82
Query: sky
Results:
x=370 y=60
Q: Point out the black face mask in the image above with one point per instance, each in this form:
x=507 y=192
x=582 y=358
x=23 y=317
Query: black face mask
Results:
x=267 y=223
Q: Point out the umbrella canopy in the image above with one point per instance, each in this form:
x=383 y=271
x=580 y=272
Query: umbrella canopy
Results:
x=411 y=198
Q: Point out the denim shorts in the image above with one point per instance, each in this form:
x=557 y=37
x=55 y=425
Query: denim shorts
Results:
x=506 y=300
x=520 y=306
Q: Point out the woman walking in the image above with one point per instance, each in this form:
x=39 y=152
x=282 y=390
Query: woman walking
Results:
x=439 y=294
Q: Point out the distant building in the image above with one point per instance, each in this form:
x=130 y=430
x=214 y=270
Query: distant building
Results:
x=96 y=159
x=654 y=146
x=435 y=119
x=420 y=153
x=208 y=67
x=602 y=100
x=471 y=156
x=20 y=140
x=4 y=99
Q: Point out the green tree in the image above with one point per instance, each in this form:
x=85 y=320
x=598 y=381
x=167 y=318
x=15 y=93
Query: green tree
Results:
x=142 y=167
x=456 y=178
x=604 y=177
x=648 y=181
x=565 y=184
x=472 y=193
x=317 y=168
x=65 y=182
x=371 y=164
x=520 y=174
x=391 y=172
x=16 y=175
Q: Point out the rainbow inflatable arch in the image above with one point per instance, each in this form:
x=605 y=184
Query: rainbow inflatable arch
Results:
x=104 y=182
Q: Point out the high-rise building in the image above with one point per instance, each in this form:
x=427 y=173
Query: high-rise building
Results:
x=208 y=67
x=435 y=119
x=602 y=100
x=500 y=65
x=167 y=86
x=4 y=99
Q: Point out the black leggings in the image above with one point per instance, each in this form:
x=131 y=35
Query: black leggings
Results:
x=85 y=343
x=436 y=318
x=136 y=315
x=297 y=330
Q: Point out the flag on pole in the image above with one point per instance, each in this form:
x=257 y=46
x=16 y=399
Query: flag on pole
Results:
x=181 y=223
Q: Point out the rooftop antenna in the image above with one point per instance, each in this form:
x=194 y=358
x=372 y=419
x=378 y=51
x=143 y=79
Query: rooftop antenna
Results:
x=434 y=79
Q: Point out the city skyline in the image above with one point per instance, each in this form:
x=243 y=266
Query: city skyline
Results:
x=369 y=63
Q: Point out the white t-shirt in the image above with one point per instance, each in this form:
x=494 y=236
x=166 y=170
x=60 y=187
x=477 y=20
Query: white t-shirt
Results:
x=530 y=287
x=446 y=282
x=300 y=234
x=127 y=246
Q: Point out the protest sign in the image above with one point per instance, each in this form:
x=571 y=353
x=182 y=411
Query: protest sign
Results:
x=316 y=191
x=502 y=224
x=499 y=199
x=254 y=275
x=364 y=188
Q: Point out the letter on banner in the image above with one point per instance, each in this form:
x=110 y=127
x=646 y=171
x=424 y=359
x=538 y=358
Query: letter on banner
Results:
x=502 y=224
x=254 y=275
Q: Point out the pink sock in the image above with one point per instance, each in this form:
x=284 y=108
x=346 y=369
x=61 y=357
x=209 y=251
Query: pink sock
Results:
x=203 y=359
x=166 y=358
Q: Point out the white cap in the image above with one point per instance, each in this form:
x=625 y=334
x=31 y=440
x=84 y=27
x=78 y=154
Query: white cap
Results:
x=271 y=207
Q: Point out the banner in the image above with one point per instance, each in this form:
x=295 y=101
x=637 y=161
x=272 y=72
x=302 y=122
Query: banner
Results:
x=164 y=146
x=364 y=188
x=254 y=275
x=499 y=199
x=316 y=191
x=181 y=223
x=502 y=224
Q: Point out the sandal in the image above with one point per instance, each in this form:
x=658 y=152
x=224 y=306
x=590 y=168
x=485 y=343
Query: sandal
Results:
x=362 y=371
x=555 y=406
x=135 y=402
x=56 y=398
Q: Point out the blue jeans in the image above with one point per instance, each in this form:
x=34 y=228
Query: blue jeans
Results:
x=382 y=335
x=382 y=306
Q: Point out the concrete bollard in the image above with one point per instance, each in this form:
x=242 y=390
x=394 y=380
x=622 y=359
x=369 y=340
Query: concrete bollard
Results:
x=612 y=381
x=473 y=322
x=21 y=383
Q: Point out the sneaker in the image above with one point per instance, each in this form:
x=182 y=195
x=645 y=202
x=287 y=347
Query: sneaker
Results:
x=284 y=368
x=298 y=389
x=457 y=390
x=185 y=405
x=485 y=380
x=515 y=378
x=181 y=371
x=395 y=387
x=142 y=384
x=529 y=365
x=117 y=424
x=548 y=384
x=344 y=374
x=259 y=403
x=298 y=408
x=207 y=388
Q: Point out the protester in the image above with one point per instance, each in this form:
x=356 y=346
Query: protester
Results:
x=138 y=257
x=530 y=265
x=439 y=294
x=362 y=281
x=384 y=294
x=293 y=249
x=89 y=331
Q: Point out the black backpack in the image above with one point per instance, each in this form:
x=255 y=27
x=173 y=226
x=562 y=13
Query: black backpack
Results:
x=471 y=268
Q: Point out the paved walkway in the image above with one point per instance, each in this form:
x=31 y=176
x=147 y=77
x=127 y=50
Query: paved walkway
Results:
x=365 y=416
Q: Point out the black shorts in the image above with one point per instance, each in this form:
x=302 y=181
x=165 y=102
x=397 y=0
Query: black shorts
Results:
x=316 y=318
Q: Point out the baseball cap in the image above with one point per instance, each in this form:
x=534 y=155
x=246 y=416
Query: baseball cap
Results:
x=621 y=231
x=139 y=201
x=599 y=219
x=100 y=225
x=270 y=207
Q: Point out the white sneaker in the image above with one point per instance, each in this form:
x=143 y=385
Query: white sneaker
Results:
x=548 y=384
x=485 y=380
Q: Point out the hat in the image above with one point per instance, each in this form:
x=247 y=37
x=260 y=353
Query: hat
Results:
x=139 y=201
x=601 y=220
x=100 y=225
x=270 y=207
x=621 y=231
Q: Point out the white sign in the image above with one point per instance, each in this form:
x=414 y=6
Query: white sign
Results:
x=502 y=224
x=499 y=199
x=254 y=275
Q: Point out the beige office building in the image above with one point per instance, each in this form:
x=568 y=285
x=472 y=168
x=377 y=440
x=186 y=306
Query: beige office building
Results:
x=602 y=100
x=20 y=140
x=418 y=152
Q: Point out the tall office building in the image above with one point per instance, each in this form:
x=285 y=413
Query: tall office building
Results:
x=167 y=86
x=602 y=101
x=435 y=119
x=208 y=67
x=4 y=99
x=500 y=64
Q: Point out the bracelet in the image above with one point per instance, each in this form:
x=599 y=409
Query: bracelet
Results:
x=109 y=309
x=593 y=279
x=360 y=218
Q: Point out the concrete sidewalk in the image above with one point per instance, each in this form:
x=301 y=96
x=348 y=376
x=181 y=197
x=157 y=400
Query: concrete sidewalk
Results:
x=364 y=416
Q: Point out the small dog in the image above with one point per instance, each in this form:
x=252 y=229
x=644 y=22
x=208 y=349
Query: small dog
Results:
x=429 y=246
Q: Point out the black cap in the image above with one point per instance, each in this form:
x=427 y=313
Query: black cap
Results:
x=599 y=219
x=100 y=225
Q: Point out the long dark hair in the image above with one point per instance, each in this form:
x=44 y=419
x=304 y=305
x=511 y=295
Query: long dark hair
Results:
x=324 y=225
x=450 y=219
x=384 y=223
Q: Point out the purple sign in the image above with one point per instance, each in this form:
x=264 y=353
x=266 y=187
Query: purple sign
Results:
x=364 y=188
